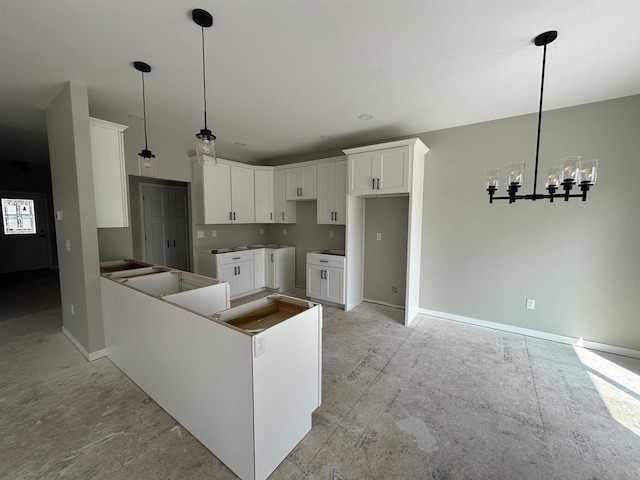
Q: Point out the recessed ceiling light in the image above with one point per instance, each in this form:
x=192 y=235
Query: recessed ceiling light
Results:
x=240 y=144
x=137 y=118
x=326 y=137
x=365 y=116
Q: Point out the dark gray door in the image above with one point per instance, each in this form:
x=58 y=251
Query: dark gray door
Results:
x=166 y=226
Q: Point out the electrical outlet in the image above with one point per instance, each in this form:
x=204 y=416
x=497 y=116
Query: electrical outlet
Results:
x=67 y=244
x=260 y=346
x=214 y=233
x=200 y=234
x=378 y=236
x=59 y=216
x=531 y=304
x=331 y=234
x=262 y=231
x=284 y=231
x=73 y=311
x=394 y=289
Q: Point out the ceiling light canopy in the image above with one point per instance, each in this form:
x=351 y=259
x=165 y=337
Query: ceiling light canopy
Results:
x=205 y=140
x=571 y=171
x=146 y=162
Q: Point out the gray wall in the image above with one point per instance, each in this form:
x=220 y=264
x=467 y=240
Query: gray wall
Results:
x=307 y=236
x=385 y=260
x=72 y=182
x=579 y=261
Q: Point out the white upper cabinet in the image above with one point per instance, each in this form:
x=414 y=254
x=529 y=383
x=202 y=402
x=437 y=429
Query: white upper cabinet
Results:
x=265 y=200
x=285 y=210
x=332 y=193
x=224 y=193
x=242 y=195
x=109 y=173
x=380 y=172
x=301 y=183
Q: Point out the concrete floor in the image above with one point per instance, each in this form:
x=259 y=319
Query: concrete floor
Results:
x=440 y=400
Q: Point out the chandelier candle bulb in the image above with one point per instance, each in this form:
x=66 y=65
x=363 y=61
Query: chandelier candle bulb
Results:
x=492 y=178
x=515 y=173
x=589 y=171
x=571 y=167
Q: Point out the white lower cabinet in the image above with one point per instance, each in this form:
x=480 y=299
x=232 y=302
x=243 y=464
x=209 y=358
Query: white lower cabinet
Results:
x=326 y=277
x=280 y=268
x=236 y=268
x=253 y=268
x=245 y=390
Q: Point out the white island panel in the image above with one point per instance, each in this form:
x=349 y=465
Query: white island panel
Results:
x=199 y=371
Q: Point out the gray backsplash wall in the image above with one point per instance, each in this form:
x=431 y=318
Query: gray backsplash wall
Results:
x=306 y=235
x=385 y=260
x=226 y=236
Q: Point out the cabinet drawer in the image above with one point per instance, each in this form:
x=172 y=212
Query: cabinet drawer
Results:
x=326 y=260
x=234 y=257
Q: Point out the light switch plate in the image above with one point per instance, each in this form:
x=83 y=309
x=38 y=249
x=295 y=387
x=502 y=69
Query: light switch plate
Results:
x=200 y=234
x=378 y=236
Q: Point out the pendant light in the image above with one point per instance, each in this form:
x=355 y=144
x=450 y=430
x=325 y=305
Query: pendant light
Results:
x=205 y=140
x=146 y=162
x=572 y=170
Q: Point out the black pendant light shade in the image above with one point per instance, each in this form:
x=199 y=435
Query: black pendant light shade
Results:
x=146 y=162
x=205 y=139
x=571 y=171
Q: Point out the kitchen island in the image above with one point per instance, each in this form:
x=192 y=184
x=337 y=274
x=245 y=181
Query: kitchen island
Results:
x=244 y=381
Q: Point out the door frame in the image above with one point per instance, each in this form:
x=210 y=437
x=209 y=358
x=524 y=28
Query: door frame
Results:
x=141 y=186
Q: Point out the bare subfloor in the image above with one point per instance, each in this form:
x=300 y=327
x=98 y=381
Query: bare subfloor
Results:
x=440 y=400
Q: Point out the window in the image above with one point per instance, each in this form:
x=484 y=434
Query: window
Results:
x=18 y=216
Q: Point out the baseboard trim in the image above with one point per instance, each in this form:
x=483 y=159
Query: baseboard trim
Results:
x=89 y=356
x=384 y=304
x=579 y=342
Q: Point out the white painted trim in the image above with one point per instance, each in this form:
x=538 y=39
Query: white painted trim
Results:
x=381 y=146
x=384 y=304
x=89 y=356
x=578 y=342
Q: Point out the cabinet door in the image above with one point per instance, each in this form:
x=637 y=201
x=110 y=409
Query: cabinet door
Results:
x=308 y=187
x=315 y=282
x=293 y=183
x=285 y=210
x=340 y=196
x=227 y=273
x=244 y=277
x=361 y=174
x=270 y=268
x=326 y=193
x=109 y=173
x=259 y=268
x=394 y=170
x=242 y=195
x=216 y=193
x=334 y=284
x=264 y=200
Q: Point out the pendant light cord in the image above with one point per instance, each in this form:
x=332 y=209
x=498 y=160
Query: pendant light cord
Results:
x=204 y=81
x=144 y=114
x=535 y=177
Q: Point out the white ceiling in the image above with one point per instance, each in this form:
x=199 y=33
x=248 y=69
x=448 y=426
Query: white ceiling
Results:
x=283 y=73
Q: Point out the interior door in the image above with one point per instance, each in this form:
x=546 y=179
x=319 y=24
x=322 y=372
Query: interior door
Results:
x=157 y=246
x=24 y=236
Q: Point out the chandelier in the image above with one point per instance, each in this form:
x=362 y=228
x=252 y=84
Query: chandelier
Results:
x=572 y=171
